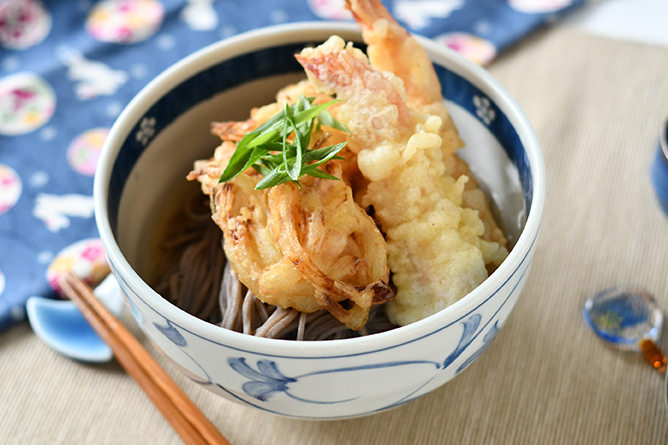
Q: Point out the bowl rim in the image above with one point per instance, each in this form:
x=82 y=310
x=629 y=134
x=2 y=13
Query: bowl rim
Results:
x=302 y=32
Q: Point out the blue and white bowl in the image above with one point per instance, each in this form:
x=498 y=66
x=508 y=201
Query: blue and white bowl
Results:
x=166 y=127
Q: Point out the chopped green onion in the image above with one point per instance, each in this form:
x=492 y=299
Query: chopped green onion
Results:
x=268 y=151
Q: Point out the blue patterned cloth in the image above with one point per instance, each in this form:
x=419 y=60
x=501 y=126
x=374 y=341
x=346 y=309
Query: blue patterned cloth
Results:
x=68 y=67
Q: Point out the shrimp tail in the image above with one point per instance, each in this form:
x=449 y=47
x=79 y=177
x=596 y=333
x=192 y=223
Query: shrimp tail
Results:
x=392 y=48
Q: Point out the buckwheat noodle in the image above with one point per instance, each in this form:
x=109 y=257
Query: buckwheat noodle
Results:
x=194 y=274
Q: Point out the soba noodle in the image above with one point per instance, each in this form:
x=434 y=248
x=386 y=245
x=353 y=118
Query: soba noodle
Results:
x=194 y=274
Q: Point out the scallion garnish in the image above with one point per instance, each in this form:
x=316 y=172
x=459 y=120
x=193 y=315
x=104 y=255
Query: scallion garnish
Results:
x=268 y=151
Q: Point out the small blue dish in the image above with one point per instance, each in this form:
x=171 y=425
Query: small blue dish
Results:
x=624 y=315
x=60 y=324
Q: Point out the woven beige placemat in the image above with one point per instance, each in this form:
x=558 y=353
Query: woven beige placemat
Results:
x=597 y=106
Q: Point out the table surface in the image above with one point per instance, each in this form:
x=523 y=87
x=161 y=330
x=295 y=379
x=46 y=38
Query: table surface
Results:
x=634 y=20
x=597 y=105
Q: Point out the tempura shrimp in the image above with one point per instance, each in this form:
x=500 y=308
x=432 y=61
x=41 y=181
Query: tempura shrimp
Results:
x=436 y=250
x=391 y=48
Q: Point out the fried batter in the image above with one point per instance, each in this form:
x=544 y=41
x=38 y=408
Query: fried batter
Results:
x=437 y=247
x=314 y=246
x=308 y=247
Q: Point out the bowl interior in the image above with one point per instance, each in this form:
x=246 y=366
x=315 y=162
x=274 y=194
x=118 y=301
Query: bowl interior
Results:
x=157 y=184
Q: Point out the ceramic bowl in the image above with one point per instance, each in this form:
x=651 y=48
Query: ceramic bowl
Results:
x=166 y=127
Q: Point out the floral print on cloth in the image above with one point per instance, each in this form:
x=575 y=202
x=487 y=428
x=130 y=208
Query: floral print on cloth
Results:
x=23 y=23
x=26 y=103
x=124 y=21
x=67 y=69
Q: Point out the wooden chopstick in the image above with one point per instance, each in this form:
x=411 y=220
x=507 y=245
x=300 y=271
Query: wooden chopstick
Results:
x=178 y=409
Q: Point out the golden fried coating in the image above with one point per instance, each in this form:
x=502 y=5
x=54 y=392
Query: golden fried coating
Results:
x=438 y=244
x=314 y=247
x=309 y=247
